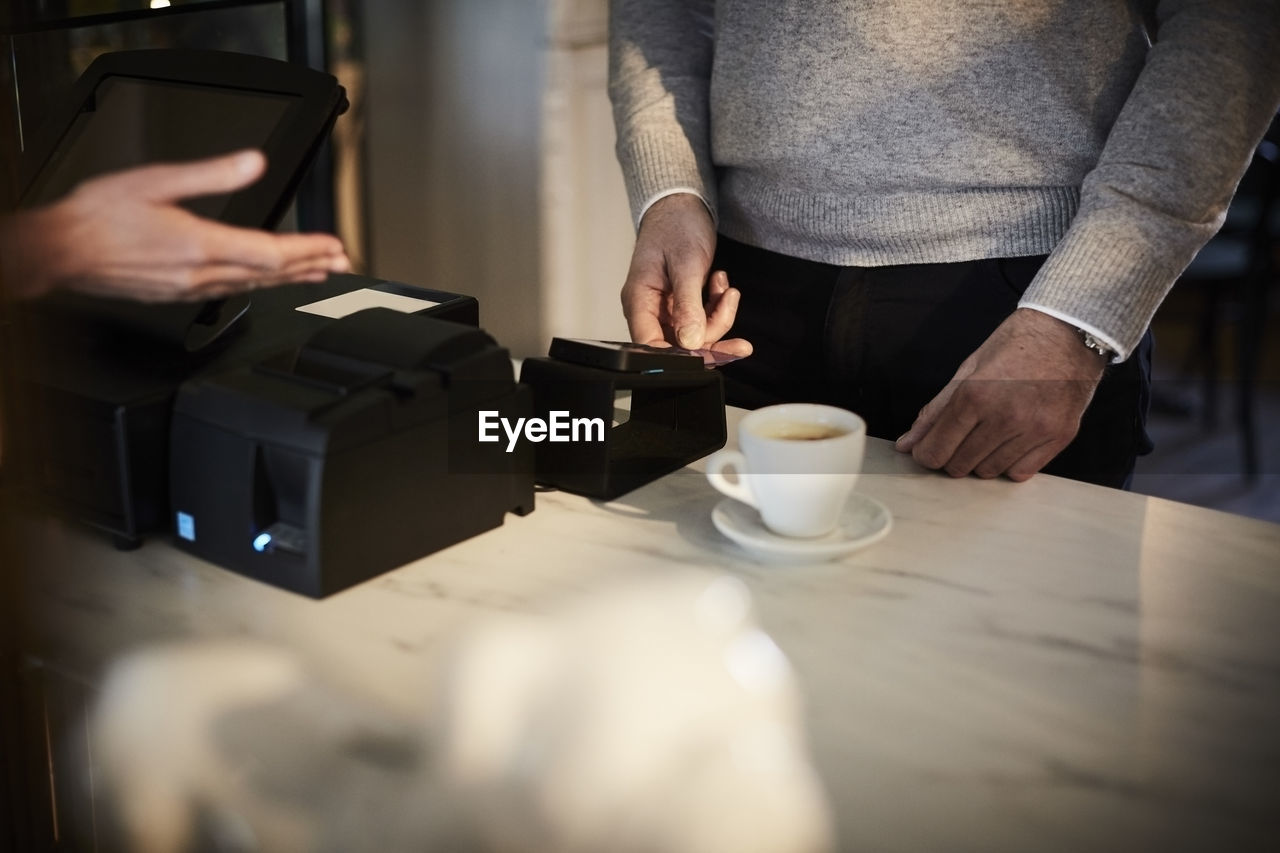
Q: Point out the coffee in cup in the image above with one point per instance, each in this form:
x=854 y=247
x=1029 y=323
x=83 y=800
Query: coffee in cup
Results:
x=801 y=431
x=797 y=464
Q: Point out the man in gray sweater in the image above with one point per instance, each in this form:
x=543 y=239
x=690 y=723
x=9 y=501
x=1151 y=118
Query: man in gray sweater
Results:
x=918 y=202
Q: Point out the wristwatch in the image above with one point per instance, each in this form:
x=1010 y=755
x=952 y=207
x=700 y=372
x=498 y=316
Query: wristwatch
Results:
x=1093 y=343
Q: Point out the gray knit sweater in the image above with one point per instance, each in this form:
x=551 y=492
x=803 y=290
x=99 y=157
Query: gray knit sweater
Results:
x=1110 y=133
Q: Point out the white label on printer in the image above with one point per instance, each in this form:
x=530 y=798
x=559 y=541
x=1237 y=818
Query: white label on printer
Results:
x=340 y=306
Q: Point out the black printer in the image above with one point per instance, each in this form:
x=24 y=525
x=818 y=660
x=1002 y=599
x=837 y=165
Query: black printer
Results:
x=93 y=397
x=91 y=439
x=315 y=441
x=317 y=468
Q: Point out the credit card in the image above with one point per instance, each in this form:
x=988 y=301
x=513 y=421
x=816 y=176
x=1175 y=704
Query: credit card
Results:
x=710 y=358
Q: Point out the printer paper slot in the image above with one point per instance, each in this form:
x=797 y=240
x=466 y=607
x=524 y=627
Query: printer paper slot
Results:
x=335 y=374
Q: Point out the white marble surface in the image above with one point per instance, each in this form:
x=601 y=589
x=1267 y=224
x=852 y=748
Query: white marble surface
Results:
x=1047 y=665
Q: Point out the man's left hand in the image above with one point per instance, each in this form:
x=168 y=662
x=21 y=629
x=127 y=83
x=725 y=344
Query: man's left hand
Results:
x=1013 y=405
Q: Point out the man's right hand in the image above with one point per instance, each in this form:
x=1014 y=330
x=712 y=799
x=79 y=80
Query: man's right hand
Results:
x=662 y=297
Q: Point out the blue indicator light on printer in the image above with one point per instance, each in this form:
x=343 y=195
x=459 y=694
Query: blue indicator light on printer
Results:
x=261 y=541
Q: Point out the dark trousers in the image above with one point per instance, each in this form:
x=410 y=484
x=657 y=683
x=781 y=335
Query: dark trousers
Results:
x=882 y=341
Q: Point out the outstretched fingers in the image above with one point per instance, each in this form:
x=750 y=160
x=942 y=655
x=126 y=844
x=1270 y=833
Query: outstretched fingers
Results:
x=176 y=181
x=267 y=252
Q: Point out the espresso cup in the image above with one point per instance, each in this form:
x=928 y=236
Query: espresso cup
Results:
x=796 y=464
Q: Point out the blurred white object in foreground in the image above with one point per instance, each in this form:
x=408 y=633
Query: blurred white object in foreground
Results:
x=653 y=716
x=656 y=716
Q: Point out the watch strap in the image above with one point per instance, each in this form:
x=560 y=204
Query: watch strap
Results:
x=1097 y=345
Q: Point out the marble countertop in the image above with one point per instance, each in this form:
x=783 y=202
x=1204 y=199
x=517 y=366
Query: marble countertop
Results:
x=1016 y=666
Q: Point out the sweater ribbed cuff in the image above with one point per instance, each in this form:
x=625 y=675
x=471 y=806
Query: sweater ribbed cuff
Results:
x=1109 y=278
x=673 y=191
x=658 y=161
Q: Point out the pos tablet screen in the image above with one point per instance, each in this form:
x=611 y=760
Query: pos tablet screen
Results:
x=134 y=121
x=134 y=108
x=137 y=107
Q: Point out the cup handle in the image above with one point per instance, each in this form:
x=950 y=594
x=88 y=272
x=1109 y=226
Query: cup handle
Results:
x=716 y=465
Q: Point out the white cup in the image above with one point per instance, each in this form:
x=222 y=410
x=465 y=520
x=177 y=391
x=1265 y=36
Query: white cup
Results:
x=797 y=464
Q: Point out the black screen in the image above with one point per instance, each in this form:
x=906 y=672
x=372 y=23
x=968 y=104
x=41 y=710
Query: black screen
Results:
x=133 y=121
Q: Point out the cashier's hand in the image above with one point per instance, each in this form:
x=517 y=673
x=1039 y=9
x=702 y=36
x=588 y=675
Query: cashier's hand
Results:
x=124 y=235
x=1012 y=406
x=662 y=298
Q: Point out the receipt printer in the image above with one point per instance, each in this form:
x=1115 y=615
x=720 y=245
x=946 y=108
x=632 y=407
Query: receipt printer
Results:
x=316 y=468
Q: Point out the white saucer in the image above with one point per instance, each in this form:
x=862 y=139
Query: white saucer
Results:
x=864 y=521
